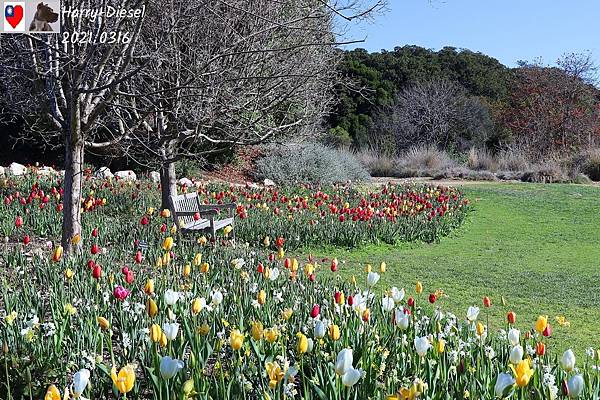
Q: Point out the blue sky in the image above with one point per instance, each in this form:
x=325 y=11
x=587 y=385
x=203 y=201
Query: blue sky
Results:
x=509 y=30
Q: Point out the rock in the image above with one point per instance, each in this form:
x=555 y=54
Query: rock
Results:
x=103 y=173
x=17 y=169
x=186 y=182
x=268 y=182
x=155 y=176
x=127 y=175
x=46 y=171
x=2 y=173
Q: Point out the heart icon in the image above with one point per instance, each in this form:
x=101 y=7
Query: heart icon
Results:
x=13 y=14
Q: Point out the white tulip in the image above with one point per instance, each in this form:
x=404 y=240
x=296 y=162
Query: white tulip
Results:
x=568 y=360
x=343 y=362
x=516 y=354
x=387 y=303
x=170 y=330
x=274 y=274
x=472 y=313
x=513 y=336
x=575 y=384
x=372 y=278
x=422 y=345
x=360 y=303
x=217 y=297
x=351 y=377
x=80 y=381
x=238 y=263
x=504 y=382
x=169 y=367
x=319 y=331
x=396 y=294
x=402 y=319
x=171 y=297
x=311 y=345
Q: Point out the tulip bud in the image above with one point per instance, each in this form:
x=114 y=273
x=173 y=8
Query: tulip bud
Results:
x=204 y=268
x=151 y=308
x=368 y=268
x=257 y=330
x=511 y=317
x=314 y=313
x=187 y=270
x=548 y=331
x=487 y=302
x=95 y=249
x=334 y=265
x=262 y=297
x=155 y=333
x=149 y=287
x=57 y=255
x=432 y=298
x=97 y=271
x=103 y=323
x=419 y=287
x=69 y=273
x=138 y=257
x=382 y=267
x=19 y=221
x=350 y=301
x=334 y=332
x=540 y=349
x=441 y=345
x=411 y=302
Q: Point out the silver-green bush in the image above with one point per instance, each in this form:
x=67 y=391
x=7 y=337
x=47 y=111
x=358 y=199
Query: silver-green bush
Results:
x=308 y=163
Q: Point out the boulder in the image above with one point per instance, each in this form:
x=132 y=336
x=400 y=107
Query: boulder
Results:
x=103 y=173
x=127 y=175
x=155 y=176
x=16 y=169
x=46 y=171
x=186 y=182
x=268 y=182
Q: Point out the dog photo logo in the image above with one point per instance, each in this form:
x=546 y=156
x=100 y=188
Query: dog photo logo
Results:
x=43 y=17
x=14 y=16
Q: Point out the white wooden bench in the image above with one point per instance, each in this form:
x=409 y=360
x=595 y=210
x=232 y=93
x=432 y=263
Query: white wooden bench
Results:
x=185 y=206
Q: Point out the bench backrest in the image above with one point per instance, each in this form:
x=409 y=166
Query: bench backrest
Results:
x=184 y=207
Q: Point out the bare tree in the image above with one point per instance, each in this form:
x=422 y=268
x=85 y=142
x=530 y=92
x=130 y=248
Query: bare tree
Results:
x=433 y=113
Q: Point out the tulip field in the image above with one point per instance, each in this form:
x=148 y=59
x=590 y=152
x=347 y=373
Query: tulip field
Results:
x=144 y=312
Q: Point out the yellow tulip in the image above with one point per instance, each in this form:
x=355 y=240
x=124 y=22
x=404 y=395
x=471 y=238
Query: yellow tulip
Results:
x=287 y=313
x=166 y=258
x=125 y=380
x=236 y=339
x=52 y=393
x=368 y=268
x=309 y=269
x=262 y=297
x=275 y=374
x=69 y=273
x=302 y=346
x=197 y=259
x=419 y=287
x=196 y=306
x=280 y=253
x=523 y=373
x=187 y=270
x=103 y=323
x=155 y=333
x=57 y=254
x=441 y=345
x=204 y=329
x=294 y=266
x=334 y=332
x=257 y=330
x=166 y=213
x=159 y=262
x=266 y=241
x=541 y=323
x=271 y=334
x=204 y=268
x=151 y=308
x=168 y=243
x=480 y=328
x=149 y=287
x=76 y=239
x=227 y=230
x=202 y=240
x=173 y=229
x=163 y=340
x=382 y=267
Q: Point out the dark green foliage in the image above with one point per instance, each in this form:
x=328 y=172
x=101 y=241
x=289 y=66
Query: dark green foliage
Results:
x=377 y=77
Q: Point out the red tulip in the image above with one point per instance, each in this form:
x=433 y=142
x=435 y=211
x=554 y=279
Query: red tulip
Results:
x=260 y=269
x=411 y=302
x=334 y=265
x=144 y=221
x=540 y=349
x=487 y=302
x=314 y=313
x=138 y=257
x=19 y=221
x=287 y=263
x=95 y=232
x=59 y=207
x=125 y=270
x=95 y=249
x=271 y=257
x=196 y=216
x=432 y=298
x=163 y=228
x=350 y=301
x=91 y=264
x=129 y=277
x=407 y=311
x=548 y=331
x=337 y=296
x=342 y=218
x=511 y=317
x=312 y=277
x=279 y=242
x=26 y=240
x=565 y=387
x=97 y=271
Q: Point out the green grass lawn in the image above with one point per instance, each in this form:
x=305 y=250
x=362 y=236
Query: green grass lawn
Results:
x=536 y=245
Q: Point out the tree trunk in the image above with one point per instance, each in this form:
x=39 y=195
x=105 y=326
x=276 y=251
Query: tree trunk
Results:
x=73 y=182
x=168 y=184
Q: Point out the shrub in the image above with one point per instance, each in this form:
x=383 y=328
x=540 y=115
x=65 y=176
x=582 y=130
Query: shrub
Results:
x=509 y=175
x=337 y=137
x=378 y=164
x=481 y=159
x=582 y=179
x=308 y=163
x=466 y=174
x=591 y=165
x=549 y=172
x=513 y=160
x=426 y=158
